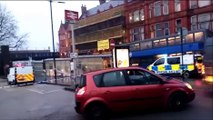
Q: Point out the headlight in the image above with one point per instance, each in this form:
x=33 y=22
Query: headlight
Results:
x=188 y=85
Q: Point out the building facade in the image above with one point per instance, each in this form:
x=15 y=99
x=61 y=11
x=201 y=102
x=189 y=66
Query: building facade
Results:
x=156 y=18
x=65 y=35
x=99 y=26
x=153 y=27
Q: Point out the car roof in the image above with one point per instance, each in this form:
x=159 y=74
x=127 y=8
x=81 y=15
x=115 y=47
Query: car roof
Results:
x=111 y=69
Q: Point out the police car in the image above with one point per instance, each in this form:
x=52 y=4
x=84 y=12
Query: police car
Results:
x=192 y=64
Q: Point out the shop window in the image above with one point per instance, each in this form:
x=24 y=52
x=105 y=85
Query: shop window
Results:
x=189 y=38
x=171 y=41
x=198 y=36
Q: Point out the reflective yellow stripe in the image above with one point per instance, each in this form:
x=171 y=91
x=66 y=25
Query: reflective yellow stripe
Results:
x=190 y=67
x=175 y=67
x=150 y=67
x=161 y=67
x=24 y=77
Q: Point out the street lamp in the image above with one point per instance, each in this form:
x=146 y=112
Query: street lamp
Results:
x=53 y=42
x=183 y=32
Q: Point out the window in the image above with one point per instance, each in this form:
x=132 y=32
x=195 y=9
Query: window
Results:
x=146 y=45
x=159 y=61
x=97 y=80
x=165 y=7
x=178 y=24
x=115 y=78
x=158 y=30
x=203 y=3
x=177 y=5
x=173 y=60
x=198 y=36
x=137 y=34
x=194 y=22
x=82 y=81
x=136 y=77
x=130 y=18
x=141 y=14
x=166 y=28
x=139 y=77
x=157 y=8
x=193 y=4
x=204 y=21
x=136 y=16
x=162 y=29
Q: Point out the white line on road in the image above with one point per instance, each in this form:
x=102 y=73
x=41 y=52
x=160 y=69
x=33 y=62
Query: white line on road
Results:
x=52 y=91
x=36 y=91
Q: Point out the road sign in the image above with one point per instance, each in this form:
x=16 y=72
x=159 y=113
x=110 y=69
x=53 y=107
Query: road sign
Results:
x=71 y=15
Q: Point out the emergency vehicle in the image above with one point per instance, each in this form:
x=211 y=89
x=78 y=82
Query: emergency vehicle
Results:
x=21 y=72
x=192 y=64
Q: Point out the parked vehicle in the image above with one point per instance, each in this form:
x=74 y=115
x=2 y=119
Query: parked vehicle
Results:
x=18 y=75
x=130 y=88
x=186 y=66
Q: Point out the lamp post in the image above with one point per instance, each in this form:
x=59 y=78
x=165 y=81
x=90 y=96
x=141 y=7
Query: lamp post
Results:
x=183 y=32
x=181 y=39
x=53 y=43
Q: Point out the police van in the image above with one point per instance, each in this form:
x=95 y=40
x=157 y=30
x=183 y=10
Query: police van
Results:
x=192 y=64
x=20 y=73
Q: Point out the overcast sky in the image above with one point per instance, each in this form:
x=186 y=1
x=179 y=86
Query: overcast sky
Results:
x=33 y=17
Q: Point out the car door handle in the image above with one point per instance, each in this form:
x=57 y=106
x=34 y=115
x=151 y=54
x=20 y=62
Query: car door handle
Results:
x=107 y=92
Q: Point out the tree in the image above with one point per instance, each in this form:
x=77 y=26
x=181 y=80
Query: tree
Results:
x=9 y=30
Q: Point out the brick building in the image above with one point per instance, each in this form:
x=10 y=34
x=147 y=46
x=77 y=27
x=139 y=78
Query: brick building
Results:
x=152 y=27
x=64 y=35
x=156 y=18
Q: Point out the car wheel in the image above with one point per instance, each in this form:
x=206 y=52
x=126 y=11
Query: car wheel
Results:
x=97 y=112
x=177 y=101
x=186 y=74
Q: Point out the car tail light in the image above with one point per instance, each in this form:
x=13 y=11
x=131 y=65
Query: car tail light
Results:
x=81 y=91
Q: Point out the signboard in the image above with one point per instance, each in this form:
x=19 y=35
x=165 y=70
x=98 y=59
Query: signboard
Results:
x=103 y=44
x=71 y=15
x=121 y=57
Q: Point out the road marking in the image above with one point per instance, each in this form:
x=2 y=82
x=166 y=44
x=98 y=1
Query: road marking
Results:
x=36 y=91
x=52 y=91
x=43 y=91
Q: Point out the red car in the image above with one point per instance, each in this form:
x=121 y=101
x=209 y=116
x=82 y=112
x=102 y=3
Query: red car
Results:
x=131 y=88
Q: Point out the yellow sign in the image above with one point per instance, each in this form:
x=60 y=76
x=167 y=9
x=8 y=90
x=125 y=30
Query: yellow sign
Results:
x=103 y=44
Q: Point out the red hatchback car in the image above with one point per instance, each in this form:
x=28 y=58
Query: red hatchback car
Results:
x=131 y=88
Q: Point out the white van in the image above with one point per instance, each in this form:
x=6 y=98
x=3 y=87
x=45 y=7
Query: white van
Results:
x=173 y=65
x=19 y=75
